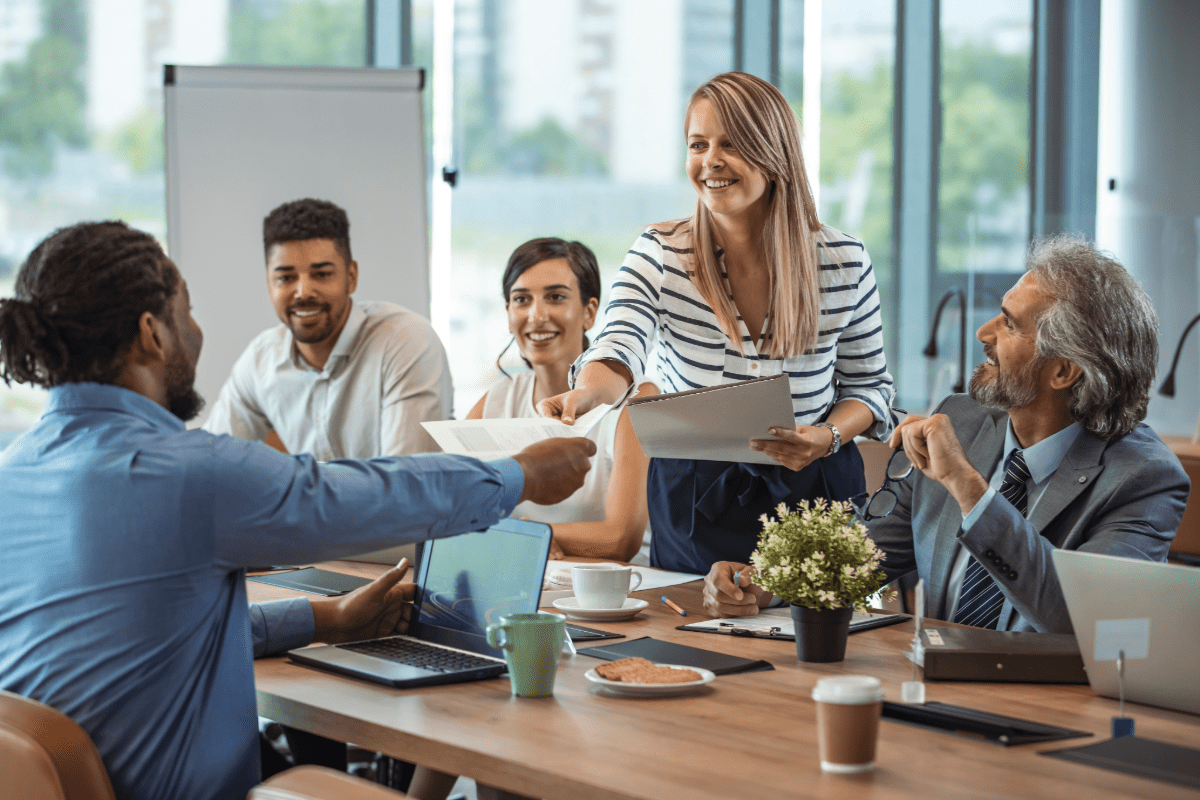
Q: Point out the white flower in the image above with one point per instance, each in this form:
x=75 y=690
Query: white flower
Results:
x=826 y=596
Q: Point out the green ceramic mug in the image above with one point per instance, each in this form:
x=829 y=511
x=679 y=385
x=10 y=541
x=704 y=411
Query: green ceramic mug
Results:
x=532 y=644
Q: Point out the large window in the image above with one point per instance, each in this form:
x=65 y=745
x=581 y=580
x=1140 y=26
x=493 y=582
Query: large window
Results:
x=983 y=180
x=81 y=123
x=854 y=85
x=567 y=121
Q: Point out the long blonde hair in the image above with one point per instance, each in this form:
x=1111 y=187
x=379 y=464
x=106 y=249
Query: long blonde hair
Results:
x=763 y=128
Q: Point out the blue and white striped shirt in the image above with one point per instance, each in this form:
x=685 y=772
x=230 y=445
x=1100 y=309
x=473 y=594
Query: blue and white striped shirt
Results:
x=653 y=292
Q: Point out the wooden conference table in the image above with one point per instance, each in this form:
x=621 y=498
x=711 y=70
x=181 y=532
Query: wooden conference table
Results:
x=751 y=736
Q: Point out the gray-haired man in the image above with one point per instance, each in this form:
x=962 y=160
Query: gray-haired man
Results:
x=1048 y=451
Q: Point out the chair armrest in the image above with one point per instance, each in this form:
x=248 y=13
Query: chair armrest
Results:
x=320 y=783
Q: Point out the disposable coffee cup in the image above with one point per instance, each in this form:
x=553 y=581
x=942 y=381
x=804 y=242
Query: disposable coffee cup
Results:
x=848 y=711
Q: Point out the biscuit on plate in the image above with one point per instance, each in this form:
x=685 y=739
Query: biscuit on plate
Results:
x=639 y=670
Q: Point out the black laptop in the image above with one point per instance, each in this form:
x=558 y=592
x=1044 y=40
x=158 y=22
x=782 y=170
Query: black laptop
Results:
x=464 y=584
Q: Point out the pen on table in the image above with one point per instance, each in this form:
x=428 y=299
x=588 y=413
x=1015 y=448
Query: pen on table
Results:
x=674 y=607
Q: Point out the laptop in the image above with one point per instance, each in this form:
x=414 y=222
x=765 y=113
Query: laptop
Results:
x=464 y=584
x=1149 y=609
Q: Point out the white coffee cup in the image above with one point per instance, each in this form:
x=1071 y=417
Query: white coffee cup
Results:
x=603 y=585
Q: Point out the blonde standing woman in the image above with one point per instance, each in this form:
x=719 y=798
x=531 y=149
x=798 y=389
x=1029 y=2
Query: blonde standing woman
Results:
x=751 y=285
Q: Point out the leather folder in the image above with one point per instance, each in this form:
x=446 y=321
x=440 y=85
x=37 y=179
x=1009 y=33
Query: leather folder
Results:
x=975 y=654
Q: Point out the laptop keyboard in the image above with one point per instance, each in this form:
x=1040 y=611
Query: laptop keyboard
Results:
x=416 y=653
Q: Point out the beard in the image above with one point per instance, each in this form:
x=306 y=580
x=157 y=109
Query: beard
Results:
x=182 y=398
x=1013 y=388
x=316 y=335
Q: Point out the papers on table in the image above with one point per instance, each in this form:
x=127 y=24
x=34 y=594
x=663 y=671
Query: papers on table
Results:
x=651 y=579
x=715 y=423
x=500 y=438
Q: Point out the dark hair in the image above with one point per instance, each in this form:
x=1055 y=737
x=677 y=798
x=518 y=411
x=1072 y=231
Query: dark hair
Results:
x=79 y=297
x=1100 y=319
x=308 y=219
x=577 y=255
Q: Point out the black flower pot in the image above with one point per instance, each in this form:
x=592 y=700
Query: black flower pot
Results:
x=821 y=632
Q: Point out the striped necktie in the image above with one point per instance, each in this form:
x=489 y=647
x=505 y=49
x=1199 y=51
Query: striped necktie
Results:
x=981 y=599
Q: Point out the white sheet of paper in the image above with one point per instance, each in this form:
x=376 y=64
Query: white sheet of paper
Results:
x=500 y=438
x=651 y=578
x=1115 y=635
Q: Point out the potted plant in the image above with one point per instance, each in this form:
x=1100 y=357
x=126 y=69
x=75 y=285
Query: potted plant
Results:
x=820 y=559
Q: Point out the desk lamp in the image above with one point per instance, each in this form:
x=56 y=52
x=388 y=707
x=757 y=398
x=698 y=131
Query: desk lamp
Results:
x=1168 y=385
x=931 y=349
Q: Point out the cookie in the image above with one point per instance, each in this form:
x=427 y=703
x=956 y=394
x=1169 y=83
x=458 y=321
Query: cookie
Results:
x=639 y=670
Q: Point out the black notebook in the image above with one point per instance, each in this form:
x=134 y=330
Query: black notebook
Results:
x=1144 y=758
x=670 y=653
x=313 y=581
x=973 y=724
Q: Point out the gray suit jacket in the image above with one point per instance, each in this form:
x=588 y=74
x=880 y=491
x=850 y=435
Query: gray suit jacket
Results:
x=1123 y=497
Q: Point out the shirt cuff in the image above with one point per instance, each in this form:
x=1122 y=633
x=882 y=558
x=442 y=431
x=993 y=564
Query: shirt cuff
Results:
x=281 y=625
x=513 y=478
x=977 y=510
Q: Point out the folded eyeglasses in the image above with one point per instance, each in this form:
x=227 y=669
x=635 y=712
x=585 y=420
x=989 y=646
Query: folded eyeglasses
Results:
x=883 y=502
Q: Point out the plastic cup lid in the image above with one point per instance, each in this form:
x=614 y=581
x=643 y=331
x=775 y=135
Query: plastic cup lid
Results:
x=848 y=690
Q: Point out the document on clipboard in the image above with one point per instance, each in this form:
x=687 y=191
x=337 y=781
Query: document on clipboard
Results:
x=776 y=623
x=715 y=423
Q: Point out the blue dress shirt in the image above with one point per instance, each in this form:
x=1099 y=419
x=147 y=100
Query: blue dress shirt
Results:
x=122 y=599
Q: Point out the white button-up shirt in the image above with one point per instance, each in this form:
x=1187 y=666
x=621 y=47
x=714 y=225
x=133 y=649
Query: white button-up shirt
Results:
x=387 y=373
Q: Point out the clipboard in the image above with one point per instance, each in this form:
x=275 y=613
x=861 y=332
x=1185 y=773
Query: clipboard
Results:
x=776 y=623
x=715 y=423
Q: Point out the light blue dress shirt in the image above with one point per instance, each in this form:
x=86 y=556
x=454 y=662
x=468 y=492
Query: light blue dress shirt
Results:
x=122 y=593
x=1042 y=460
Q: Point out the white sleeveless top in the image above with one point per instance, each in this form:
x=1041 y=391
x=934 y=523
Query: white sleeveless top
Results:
x=513 y=399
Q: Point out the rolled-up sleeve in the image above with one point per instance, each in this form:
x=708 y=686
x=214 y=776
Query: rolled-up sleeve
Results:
x=861 y=372
x=281 y=625
x=632 y=314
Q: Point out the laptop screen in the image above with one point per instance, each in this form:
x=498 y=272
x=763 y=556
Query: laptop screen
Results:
x=468 y=582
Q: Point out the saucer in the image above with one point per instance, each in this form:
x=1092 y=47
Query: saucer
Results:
x=570 y=607
x=652 y=689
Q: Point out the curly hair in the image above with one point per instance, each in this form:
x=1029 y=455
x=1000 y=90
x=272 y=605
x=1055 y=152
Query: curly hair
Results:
x=1100 y=319
x=307 y=219
x=79 y=297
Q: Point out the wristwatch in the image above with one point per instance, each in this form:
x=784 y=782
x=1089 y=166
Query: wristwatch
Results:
x=836 y=444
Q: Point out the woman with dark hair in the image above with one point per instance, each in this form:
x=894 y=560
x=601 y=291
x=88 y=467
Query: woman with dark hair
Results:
x=751 y=285
x=552 y=293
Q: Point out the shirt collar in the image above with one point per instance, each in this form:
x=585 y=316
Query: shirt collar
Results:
x=1043 y=458
x=341 y=349
x=72 y=397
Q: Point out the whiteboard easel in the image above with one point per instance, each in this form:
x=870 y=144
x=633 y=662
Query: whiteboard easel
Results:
x=242 y=140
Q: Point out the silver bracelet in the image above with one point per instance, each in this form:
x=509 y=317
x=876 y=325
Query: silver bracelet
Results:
x=836 y=444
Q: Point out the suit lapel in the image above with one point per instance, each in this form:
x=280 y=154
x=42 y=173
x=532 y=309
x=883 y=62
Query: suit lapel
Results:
x=1078 y=471
x=983 y=452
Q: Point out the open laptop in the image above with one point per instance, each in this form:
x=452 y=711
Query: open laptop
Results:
x=464 y=584
x=1150 y=609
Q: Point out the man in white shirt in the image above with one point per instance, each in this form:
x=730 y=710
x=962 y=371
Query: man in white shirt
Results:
x=338 y=378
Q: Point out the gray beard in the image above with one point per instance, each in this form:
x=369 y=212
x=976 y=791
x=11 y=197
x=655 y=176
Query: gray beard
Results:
x=1009 y=389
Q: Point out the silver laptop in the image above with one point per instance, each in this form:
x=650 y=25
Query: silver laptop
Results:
x=1148 y=609
x=464 y=584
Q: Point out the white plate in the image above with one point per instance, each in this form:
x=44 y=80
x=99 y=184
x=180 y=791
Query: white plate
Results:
x=570 y=607
x=652 y=689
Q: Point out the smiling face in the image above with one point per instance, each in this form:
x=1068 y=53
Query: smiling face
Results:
x=1012 y=375
x=547 y=316
x=310 y=285
x=728 y=185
